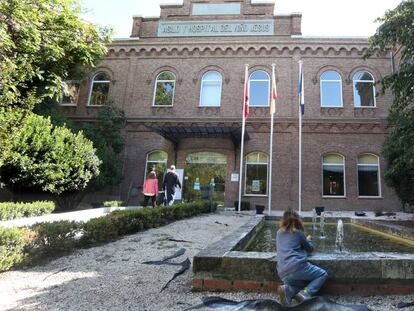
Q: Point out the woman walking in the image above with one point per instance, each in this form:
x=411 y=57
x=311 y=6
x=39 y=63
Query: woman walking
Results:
x=150 y=190
x=301 y=279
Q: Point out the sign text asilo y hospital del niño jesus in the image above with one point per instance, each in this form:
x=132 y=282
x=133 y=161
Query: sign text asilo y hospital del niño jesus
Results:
x=216 y=28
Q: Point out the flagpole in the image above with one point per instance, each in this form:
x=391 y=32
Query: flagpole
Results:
x=271 y=138
x=246 y=81
x=300 y=137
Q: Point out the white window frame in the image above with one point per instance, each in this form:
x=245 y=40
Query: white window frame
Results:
x=379 y=196
x=146 y=161
x=331 y=81
x=325 y=196
x=260 y=80
x=214 y=81
x=163 y=81
x=92 y=84
x=77 y=100
x=364 y=81
x=267 y=173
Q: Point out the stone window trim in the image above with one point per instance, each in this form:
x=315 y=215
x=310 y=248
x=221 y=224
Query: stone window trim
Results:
x=109 y=81
x=317 y=77
x=321 y=81
x=156 y=81
x=324 y=196
x=258 y=163
x=378 y=166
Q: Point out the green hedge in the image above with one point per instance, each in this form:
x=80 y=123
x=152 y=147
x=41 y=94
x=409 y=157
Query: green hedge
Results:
x=12 y=242
x=56 y=238
x=13 y=210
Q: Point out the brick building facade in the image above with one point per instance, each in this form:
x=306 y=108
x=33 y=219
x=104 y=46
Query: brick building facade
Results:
x=158 y=77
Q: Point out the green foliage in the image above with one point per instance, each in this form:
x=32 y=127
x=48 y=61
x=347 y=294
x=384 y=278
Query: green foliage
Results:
x=49 y=158
x=11 y=247
x=106 y=136
x=113 y=203
x=54 y=237
x=42 y=44
x=104 y=132
x=12 y=210
x=396 y=33
x=43 y=240
x=399 y=154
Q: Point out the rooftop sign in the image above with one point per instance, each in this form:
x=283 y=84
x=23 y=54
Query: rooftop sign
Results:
x=216 y=28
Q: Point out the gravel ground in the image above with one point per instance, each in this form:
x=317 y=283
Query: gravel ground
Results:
x=111 y=277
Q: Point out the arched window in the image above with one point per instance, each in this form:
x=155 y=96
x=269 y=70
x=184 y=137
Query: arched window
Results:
x=157 y=161
x=333 y=174
x=164 y=89
x=99 y=90
x=210 y=95
x=259 y=87
x=368 y=176
x=256 y=173
x=364 y=90
x=331 y=89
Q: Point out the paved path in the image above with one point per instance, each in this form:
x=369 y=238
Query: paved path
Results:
x=83 y=215
x=112 y=276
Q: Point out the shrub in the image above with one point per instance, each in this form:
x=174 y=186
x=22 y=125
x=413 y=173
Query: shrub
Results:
x=113 y=203
x=11 y=247
x=99 y=230
x=54 y=237
x=12 y=210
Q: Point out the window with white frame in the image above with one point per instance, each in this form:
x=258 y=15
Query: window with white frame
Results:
x=331 y=89
x=333 y=175
x=99 y=89
x=70 y=93
x=157 y=161
x=259 y=88
x=364 y=89
x=210 y=95
x=256 y=173
x=368 y=176
x=164 y=89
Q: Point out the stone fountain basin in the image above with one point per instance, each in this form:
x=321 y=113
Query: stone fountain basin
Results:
x=223 y=266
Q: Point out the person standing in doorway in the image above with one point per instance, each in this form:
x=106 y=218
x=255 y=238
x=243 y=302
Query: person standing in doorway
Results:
x=170 y=182
x=301 y=279
x=150 y=190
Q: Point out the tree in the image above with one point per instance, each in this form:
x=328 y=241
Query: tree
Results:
x=104 y=132
x=50 y=159
x=396 y=33
x=42 y=44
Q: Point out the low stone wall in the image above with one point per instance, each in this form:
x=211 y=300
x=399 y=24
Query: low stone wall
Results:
x=389 y=228
x=222 y=266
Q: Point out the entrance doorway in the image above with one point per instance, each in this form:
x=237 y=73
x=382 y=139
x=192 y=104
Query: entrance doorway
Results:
x=205 y=176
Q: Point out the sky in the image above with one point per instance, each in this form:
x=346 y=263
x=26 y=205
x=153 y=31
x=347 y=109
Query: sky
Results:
x=319 y=17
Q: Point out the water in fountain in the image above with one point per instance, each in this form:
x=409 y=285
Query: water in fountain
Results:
x=313 y=220
x=339 y=241
x=322 y=225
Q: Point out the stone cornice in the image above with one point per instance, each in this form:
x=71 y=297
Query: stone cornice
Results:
x=281 y=125
x=231 y=48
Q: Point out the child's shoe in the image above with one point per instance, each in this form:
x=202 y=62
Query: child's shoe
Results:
x=284 y=295
x=302 y=295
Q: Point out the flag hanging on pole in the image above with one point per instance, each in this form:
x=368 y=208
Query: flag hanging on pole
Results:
x=301 y=91
x=273 y=94
x=245 y=114
x=246 y=93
